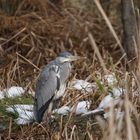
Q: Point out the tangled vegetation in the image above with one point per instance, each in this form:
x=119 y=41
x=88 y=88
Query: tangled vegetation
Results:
x=33 y=32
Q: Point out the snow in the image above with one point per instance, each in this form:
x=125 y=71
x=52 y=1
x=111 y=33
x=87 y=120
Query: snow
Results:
x=83 y=85
x=81 y=107
x=95 y=111
x=19 y=108
x=25 y=117
x=64 y=110
x=113 y=97
x=25 y=113
x=22 y=121
x=110 y=79
x=12 y=92
x=106 y=102
x=117 y=91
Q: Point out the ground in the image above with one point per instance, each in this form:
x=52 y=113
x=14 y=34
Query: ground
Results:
x=32 y=34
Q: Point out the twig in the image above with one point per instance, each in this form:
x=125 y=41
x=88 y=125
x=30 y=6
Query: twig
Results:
x=137 y=81
x=10 y=128
x=28 y=61
x=94 y=46
x=119 y=60
x=109 y=25
x=13 y=36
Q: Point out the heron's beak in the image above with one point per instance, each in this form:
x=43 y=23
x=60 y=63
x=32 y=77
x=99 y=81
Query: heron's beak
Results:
x=74 y=58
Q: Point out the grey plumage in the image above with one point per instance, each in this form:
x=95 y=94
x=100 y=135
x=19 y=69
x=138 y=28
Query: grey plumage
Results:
x=51 y=83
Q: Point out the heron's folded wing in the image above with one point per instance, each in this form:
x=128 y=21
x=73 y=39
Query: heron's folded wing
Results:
x=46 y=87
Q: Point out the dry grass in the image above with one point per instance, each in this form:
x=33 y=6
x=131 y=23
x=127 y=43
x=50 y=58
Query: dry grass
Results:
x=33 y=33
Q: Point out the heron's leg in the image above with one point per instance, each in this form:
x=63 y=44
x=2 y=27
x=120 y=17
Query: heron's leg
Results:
x=50 y=107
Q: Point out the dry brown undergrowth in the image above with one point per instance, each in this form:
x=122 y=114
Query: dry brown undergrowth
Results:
x=33 y=36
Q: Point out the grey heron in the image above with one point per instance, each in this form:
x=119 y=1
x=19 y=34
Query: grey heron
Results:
x=51 y=84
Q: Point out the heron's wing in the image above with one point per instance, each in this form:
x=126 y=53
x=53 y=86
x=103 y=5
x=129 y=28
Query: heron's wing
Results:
x=47 y=84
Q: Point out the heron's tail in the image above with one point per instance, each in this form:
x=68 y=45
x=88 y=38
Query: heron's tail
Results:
x=40 y=113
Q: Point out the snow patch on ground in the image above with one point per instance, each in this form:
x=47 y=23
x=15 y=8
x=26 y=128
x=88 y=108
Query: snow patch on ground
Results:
x=110 y=79
x=25 y=113
x=114 y=98
x=64 y=110
x=12 y=92
x=81 y=107
x=83 y=85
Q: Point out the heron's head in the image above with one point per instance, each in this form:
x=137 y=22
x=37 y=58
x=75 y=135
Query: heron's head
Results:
x=67 y=57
